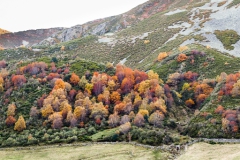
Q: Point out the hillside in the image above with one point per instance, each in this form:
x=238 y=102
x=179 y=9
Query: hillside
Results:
x=161 y=26
x=26 y=38
x=169 y=73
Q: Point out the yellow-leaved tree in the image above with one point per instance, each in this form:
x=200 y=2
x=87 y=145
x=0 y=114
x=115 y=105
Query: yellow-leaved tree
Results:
x=162 y=56
x=20 y=124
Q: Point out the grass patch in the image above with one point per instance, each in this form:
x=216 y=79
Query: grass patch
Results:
x=201 y=151
x=228 y=38
x=90 y=152
x=108 y=134
x=81 y=66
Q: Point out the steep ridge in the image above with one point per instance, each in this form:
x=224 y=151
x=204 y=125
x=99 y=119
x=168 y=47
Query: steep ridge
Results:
x=110 y=24
x=26 y=38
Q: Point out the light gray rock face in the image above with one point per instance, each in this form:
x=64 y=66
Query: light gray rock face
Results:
x=72 y=33
x=99 y=29
x=111 y=24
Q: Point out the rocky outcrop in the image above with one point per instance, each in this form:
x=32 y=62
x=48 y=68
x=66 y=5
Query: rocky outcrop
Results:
x=109 y=24
x=96 y=27
x=30 y=37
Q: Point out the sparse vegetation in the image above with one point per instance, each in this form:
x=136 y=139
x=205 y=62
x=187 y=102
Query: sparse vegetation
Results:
x=233 y=3
x=228 y=38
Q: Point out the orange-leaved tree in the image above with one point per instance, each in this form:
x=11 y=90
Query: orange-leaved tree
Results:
x=59 y=83
x=181 y=57
x=189 y=102
x=74 y=79
x=18 y=80
x=10 y=121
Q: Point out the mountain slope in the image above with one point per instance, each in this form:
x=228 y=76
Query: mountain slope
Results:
x=26 y=38
x=66 y=89
x=111 y=24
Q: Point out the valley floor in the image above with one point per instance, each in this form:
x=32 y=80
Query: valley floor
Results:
x=89 y=152
x=200 y=151
x=118 y=151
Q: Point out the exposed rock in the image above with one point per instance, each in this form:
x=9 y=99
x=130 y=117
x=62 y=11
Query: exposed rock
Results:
x=13 y=40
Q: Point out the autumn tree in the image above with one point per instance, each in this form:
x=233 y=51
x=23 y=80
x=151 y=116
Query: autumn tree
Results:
x=98 y=111
x=156 y=118
x=72 y=93
x=120 y=107
x=124 y=119
x=66 y=70
x=139 y=120
x=97 y=88
x=236 y=89
x=59 y=83
x=126 y=85
x=219 y=109
x=113 y=120
x=53 y=67
x=47 y=110
x=18 y=80
x=83 y=81
x=143 y=112
x=11 y=109
x=80 y=113
x=190 y=76
x=62 y=48
x=52 y=76
x=71 y=119
x=153 y=75
x=185 y=87
x=10 y=121
x=115 y=97
x=125 y=128
x=173 y=79
x=34 y=112
x=222 y=77
x=74 y=79
x=168 y=94
x=20 y=124
x=40 y=100
x=65 y=108
x=189 y=103
x=4 y=73
x=162 y=56
x=2 y=64
x=158 y=104
x=131 y=116
x=201 y=98
x=56 y=119
x=181 y=57
x=1 y=84
x=183 y=48
x=120 y=73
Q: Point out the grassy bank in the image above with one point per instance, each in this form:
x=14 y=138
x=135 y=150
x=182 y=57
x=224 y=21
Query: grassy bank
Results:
x=91 y=152
x=201 y=151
